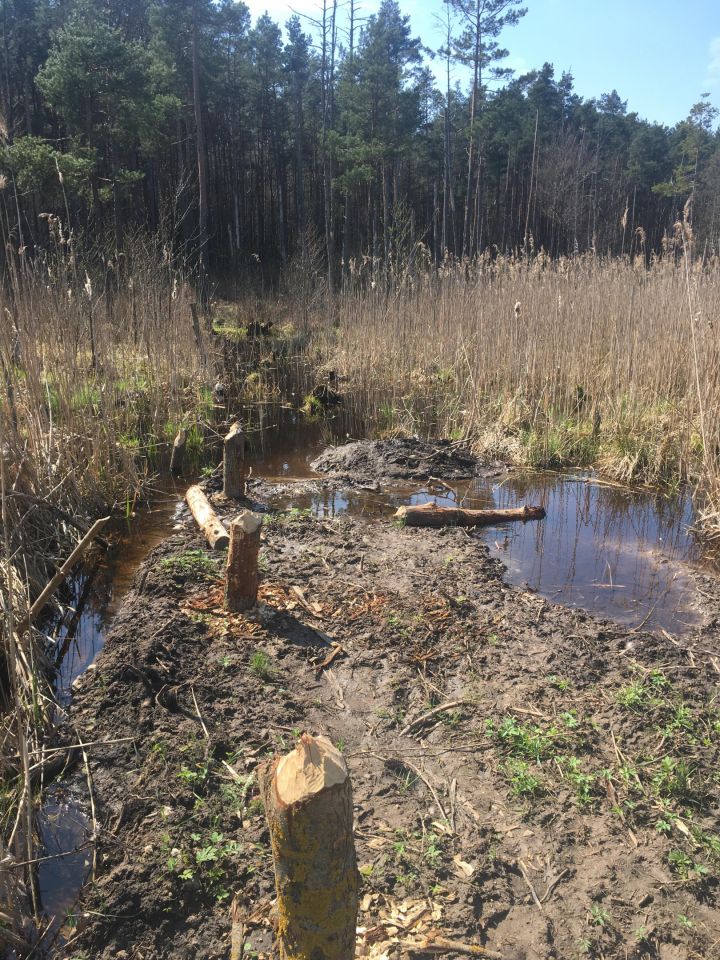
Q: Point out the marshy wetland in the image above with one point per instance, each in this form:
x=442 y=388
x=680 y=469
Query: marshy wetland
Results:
x=528 y=711
x=573 y=761
x=359 y=481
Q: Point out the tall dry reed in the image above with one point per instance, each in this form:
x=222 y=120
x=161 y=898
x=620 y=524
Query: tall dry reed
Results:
x=606 y=363
x=99 y=363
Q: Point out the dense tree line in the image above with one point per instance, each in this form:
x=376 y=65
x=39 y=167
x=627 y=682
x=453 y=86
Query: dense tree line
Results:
x=332 y=141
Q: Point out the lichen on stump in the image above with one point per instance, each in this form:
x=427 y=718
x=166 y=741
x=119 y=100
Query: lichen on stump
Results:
x=308 y=805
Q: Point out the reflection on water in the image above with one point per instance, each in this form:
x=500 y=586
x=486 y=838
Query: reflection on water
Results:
x=65 y=831
x=622 y=555
x=627 y=556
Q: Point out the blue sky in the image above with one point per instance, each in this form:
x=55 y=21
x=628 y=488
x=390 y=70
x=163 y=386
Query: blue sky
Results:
x=660 y=55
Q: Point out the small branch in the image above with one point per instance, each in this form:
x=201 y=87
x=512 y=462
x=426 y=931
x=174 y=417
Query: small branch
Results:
x=55 y=582
x=523 y=871
x=554 y=883
x=199 y=715
x=430 y=787
x=436 y=944
x=432 y=713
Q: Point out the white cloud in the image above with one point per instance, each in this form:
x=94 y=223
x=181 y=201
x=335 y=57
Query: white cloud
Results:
x=282 y=10
x=712 y=78
x=516 y=63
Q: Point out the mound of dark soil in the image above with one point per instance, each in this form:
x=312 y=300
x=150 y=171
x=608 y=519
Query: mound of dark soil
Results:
x=368 y=461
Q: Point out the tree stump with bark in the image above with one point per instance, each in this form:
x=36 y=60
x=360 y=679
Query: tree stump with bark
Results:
x=234 y=462
x=241 y=576
x=308 y=805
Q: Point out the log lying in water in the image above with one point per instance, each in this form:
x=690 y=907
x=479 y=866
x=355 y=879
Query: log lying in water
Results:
x=431 y=515
x=309 y=811
x=206 y=518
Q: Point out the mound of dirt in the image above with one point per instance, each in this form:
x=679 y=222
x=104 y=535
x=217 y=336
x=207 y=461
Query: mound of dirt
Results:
x=368 y=461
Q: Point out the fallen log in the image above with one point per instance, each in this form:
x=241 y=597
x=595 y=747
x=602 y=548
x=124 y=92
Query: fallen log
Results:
x=431 y=515
x=309 y=811
x=206 y=518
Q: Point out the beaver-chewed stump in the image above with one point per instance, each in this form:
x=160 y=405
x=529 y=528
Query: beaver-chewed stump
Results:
x=178 y=452
x=431 y=515
x=308 y=805
x=241 y=575
x=234 y=462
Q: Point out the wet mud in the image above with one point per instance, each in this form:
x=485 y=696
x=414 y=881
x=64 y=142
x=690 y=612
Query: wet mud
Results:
x=373 y=462
x=526 y=777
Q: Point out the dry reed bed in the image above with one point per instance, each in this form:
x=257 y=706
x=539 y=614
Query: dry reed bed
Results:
x=96 y=368
x=580 y=361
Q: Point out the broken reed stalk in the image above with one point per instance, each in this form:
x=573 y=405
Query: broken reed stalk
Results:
x=241 y=577
x=178 y=452
x=234 y=462
x=77 y=554
x=19 y=696
x=309 y=810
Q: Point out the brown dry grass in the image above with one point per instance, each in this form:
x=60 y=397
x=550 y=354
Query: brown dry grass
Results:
x=579 y=361
x=95 y=368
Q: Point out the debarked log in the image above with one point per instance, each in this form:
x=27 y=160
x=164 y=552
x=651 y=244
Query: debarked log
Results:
x=431 y=515
x=206 y=518
x=309 y=810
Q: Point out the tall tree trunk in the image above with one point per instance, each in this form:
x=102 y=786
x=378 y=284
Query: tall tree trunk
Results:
x=201 y=159
x=346 y=212
x=471 y=138
x=328 y=69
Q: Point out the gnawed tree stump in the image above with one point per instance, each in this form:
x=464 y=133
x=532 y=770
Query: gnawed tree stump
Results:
x=308 y=805
x=241 y=576
x=178 y=452
x=431 y=515
x=206 y=518
x=234 y=462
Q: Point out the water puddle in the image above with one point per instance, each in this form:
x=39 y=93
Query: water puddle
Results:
x=623 y=555
x=63 y=823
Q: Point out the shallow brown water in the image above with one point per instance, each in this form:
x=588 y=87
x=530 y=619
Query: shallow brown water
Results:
x=627 y=556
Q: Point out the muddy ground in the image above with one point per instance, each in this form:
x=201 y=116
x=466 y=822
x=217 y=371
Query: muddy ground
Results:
x=377 y=462
x=563 y=804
